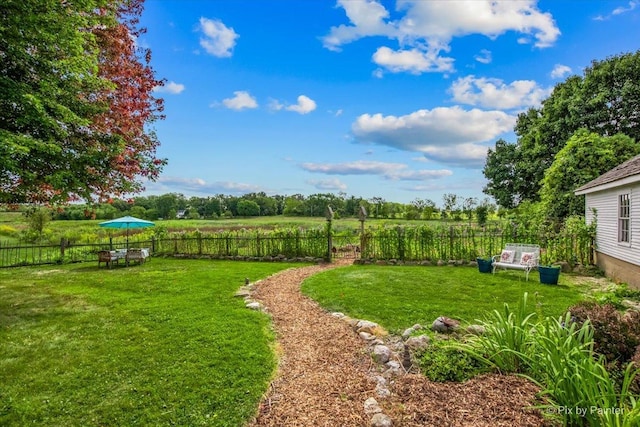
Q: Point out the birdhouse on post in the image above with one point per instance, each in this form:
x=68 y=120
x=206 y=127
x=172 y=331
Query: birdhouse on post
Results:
x=329 y=213
x=362 y=213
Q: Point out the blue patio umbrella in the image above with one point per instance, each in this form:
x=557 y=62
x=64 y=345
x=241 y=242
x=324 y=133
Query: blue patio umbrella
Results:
x=127 y=222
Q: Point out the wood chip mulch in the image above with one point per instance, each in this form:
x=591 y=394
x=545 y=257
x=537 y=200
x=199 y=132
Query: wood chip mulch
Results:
x=325 y=374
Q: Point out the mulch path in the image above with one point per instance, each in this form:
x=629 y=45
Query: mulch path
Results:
x=325 y=374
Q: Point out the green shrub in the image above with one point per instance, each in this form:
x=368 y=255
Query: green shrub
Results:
x=506 y=340
x=558 y=355
x=615 y=336
x=441 y=363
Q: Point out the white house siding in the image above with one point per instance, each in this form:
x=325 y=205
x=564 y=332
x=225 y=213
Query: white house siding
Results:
x=606 y=204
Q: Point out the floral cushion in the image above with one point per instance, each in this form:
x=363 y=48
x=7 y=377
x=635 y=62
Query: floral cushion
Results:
x=507 y=256
x=526 y=257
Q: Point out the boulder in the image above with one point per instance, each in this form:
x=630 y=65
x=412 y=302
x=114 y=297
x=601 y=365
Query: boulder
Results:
x=371 y=406
x=381 y=354
x=381 y=420
x=367 y=336
x=444 y=325
x=254 y=305
x=419 y=343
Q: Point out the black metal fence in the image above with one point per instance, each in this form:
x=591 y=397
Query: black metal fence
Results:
x=400 y=243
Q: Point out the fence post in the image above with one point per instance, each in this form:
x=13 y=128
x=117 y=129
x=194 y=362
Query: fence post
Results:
x=62 y=247
x=451 y=236
x=110 y=243
x=362 y=216
x=401 y=243
x=153 y=244
x=329 y=215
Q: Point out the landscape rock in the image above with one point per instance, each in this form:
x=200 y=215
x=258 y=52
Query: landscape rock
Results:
x=633 y=305
x=444 y=325
x=381 y=354
x=243 y=292
x=381 y=420
x=338 y=315
x=353 y=323
x=393 y=369
x=419 y=343
x=367 y=336
x=254 y=306
x=366 y=324
x=371 y=406
x=407 y=333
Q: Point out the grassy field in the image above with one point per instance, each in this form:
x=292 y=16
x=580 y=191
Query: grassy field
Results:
x=164 y=343
x=398 y=297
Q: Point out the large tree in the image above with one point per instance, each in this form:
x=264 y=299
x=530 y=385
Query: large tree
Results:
x=606 y=101
x=586 y=156
x=75 y=101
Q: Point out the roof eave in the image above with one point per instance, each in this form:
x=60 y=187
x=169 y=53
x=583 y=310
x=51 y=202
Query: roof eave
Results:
x=609 y=185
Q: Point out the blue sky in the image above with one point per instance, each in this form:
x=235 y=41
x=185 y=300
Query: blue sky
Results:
x=393 y=99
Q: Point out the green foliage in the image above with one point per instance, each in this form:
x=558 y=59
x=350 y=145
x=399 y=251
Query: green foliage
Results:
x=37 y=220
x=441 y=363
x=248 y=208
x=585 y=156
x=500 y=171
x=604 y=100
x=558 y=355
x=505 y=345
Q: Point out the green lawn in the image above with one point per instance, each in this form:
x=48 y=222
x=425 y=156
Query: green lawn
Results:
x=165 y=343
x=400 y=296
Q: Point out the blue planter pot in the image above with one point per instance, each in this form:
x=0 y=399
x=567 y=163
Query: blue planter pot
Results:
x=549 y=275
x=484 y=265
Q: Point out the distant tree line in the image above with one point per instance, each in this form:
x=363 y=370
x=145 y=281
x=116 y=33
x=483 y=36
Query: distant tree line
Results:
x=174 y=205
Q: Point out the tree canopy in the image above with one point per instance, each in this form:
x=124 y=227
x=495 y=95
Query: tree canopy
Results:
x=586 y=156
x=75 y=101
x=605 y=101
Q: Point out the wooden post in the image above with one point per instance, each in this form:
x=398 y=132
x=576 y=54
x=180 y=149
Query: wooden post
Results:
x=329 y=215
x=362 y=217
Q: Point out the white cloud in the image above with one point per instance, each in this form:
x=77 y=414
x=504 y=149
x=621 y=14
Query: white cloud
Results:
x=426 y=28
x=218 y=40
x=240 y=101
x=367 y=17
x=560 y=71
x=171 y=87
x=390 y=171
x=618 y=11
x=413 y=61
x=621 y=10
x=199 y=185
x=484 y=57
x=305 y=105
x=328 y=184
x=494 y=93
x=451 y=135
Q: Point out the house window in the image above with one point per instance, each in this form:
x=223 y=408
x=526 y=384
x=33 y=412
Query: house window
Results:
x=624 y=220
